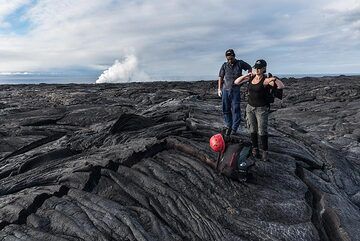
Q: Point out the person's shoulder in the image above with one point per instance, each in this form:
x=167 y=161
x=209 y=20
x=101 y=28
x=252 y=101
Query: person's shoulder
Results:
x=240 y=61
x=243 y=62
x=223 y=65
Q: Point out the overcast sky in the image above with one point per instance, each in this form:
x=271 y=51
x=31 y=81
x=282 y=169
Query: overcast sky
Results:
x=179 y=37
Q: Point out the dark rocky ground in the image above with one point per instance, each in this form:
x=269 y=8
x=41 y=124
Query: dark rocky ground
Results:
x=127 y=162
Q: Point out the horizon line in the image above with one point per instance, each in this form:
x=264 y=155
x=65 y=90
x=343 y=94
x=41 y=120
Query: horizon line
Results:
x=26 y=73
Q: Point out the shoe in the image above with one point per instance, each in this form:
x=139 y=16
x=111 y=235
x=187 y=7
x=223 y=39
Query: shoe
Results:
x=228 y=131
x=264 y=156
x=255 y=153
x=241 y=131
x=235 y=132
x=242 y=176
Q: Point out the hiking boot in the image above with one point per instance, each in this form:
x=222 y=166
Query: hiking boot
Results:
x=242 y=176
x=255 y=153
x=239 y=131
x=264 y=156
x=228 y=132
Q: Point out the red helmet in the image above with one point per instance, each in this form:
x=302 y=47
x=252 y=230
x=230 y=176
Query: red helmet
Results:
x=217 y=143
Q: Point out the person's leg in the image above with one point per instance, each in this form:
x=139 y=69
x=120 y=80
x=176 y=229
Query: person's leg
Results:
x=253 y=127
x=235 y=107
x=264 y=146
x=226 y=107
x=262 y=117
x=255 y=145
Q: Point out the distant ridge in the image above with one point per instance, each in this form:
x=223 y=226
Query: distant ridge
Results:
x=58 y=78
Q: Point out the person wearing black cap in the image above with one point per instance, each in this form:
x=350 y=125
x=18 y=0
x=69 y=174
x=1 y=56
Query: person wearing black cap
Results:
x=230 y=93
x=257 y=108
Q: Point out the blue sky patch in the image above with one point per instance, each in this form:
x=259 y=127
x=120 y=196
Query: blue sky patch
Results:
x=18 y=24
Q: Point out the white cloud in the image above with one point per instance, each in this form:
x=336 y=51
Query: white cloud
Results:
x=342 y=6
x=177 y=37
x=123 y=72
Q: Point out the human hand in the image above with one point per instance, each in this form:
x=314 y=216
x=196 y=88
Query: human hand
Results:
x=219 y=92
x=249 y=76
x=273 y=77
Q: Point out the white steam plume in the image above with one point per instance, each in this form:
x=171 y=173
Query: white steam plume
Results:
x=122 y=72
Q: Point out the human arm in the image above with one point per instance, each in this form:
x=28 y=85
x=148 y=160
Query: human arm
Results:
x=245 y=66
x=274 y=82
x=242 y=79
x=220 y=81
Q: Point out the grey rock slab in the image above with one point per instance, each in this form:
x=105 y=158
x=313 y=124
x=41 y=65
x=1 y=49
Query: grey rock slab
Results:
x=12 y=205
x=133 y=163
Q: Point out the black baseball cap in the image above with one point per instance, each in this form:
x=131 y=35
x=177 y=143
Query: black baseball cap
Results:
x=230 y=52
x=260 y=63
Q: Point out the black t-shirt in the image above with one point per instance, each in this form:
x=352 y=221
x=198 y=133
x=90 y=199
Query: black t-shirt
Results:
x=258 y=94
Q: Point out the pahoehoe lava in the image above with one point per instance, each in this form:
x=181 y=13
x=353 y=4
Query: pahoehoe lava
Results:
x=132 y=162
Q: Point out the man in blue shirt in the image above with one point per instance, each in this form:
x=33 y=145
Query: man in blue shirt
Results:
x=229 y=92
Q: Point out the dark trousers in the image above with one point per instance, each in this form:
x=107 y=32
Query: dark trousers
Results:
x=231 y=107
x=257 y=121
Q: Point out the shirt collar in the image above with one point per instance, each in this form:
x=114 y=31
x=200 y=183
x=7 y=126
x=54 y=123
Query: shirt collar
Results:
x=232 y=63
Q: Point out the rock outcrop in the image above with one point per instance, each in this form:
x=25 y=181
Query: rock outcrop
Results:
x=132 y=162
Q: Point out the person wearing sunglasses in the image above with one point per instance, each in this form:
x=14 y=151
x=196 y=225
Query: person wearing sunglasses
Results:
x=229 y=92
x=258 y=106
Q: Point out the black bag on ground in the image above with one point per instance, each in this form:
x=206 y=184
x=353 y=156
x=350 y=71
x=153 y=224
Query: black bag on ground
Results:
x=235 y=161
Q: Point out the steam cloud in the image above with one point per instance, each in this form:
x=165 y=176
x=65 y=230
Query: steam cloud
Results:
x=125 y=71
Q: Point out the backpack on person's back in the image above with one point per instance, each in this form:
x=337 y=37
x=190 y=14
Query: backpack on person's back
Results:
x=273 y=92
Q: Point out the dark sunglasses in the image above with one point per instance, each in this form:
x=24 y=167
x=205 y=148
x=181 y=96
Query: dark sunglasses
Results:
x=230 y=55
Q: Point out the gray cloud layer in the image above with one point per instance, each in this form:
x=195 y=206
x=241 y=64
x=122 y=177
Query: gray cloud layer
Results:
x=184 y=38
